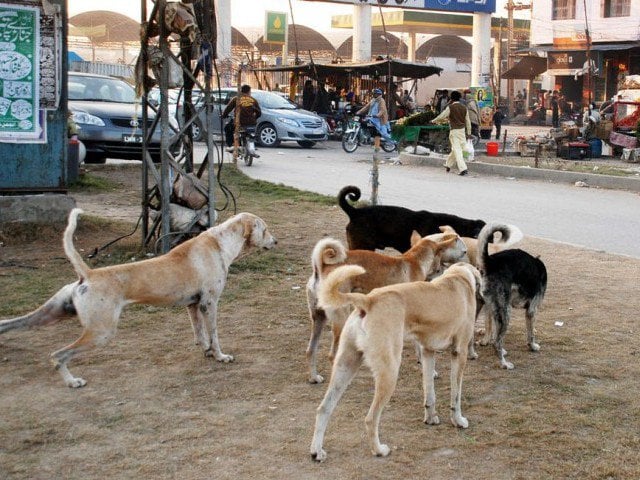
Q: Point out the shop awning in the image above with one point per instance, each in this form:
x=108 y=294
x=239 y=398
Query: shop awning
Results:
x=594 y=46
x=527 y=68
x=393 y=67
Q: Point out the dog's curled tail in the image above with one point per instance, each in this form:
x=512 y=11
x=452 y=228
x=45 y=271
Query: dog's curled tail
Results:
x=329 y=294
x=327 y=251
x=510 y=234
x=353 y=193
x=81 y=268
x=57 y=307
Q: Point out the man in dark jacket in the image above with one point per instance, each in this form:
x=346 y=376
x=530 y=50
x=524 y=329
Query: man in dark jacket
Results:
x=498 y=116
x=248 y=113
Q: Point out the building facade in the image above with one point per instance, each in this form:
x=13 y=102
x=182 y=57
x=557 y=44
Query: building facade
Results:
x=573 y=31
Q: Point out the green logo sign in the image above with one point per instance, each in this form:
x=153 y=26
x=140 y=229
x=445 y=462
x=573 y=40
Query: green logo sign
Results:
x=275 y=29
x=19 y=68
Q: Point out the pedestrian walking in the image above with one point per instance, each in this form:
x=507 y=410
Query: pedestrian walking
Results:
x=555 y=109
x=459 y=130
x=474 y=115
x=497 y=118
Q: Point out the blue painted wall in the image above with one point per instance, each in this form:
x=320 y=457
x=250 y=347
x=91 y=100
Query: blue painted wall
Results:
x=41 y=167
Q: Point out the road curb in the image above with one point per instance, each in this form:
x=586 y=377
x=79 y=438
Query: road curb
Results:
x=528 y=173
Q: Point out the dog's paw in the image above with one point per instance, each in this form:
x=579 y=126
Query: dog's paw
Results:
x=316 y=378
x=506 y=365
x=76 y=382
x=459 y=421
x=431 y=419
x=318 y=456
x=382 y=450
x=534 y=347
x=225 y=358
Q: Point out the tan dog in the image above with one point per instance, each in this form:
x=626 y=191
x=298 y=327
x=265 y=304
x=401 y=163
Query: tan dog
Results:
x=420 y=262
x=439 y=314
x=512 y=236
x=192 y=274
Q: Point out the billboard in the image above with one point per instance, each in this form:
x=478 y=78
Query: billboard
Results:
x=484 y=99
x=468 y=6
x=275 y=28
x=19 y=73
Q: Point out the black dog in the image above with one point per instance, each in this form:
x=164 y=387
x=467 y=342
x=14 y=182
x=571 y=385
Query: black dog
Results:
x=384 y=226
x=509 y=278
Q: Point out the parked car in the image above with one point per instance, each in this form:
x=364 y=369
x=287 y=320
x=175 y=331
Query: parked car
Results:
x=281 y=119
x=109 y=118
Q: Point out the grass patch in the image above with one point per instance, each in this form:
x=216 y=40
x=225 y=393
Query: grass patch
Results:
x=92 y=183
x=236 y=181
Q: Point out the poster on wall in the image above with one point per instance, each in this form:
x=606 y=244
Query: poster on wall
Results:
x=19 y=73
x=484 y=98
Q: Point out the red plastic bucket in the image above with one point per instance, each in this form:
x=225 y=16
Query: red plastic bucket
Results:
x=492 y=149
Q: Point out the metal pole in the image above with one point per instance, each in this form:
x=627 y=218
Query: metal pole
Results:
x=510 y=7
x=165 y=169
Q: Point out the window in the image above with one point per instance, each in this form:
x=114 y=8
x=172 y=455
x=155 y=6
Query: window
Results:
x=565 y=9
x=616 y=8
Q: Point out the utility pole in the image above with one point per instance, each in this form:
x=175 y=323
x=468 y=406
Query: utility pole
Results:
x=587 y=74
x=511 y=6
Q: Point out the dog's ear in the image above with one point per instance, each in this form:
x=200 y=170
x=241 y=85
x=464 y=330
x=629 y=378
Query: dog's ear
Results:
x=415 y=238
x=248 y=224
x=447 y=229
x=448 y=241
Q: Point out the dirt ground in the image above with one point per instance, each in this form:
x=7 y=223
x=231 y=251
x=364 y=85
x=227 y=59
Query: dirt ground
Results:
x=155 y=407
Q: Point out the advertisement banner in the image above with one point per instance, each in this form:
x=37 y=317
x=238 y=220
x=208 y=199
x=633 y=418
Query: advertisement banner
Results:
x=19 y=67
x=484 y=98
x=275 y=28
x=565 y=63
x=469 y=6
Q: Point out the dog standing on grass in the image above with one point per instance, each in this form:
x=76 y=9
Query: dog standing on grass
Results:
x=382 y=226
x=511 y=278
x=192 y=274
x=439 y=314
x=420 y=262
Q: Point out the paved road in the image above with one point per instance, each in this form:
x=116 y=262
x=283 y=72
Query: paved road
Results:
x=594 y=218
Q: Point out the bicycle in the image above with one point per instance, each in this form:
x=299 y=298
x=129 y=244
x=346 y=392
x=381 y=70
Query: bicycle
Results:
x=355 y=135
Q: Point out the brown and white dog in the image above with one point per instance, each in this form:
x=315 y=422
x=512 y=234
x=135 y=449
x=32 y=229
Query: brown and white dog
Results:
x=420 y=262
x=192 y=274
x=439 y=315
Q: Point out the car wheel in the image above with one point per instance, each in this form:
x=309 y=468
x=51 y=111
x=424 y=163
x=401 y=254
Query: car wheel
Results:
x=96 y=159
x=268 y=136
x=196 y=131
x=306 y=143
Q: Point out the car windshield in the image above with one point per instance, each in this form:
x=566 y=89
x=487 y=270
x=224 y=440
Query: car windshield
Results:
x=100 y=89
x=272 y=100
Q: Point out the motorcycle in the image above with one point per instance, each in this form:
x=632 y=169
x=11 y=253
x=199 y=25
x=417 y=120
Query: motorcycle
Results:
x=247 y=150
x=336 y=122
x=355 y=135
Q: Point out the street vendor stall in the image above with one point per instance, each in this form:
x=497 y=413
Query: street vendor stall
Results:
x=417 y=129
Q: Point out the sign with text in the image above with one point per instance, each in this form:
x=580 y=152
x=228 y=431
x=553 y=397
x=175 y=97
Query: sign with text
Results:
x=19 y=72
x=275 y=28
x=565 y=63
x=570 y=37
x=483 y=6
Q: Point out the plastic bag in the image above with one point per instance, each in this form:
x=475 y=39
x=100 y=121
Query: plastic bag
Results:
x=468 y=152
